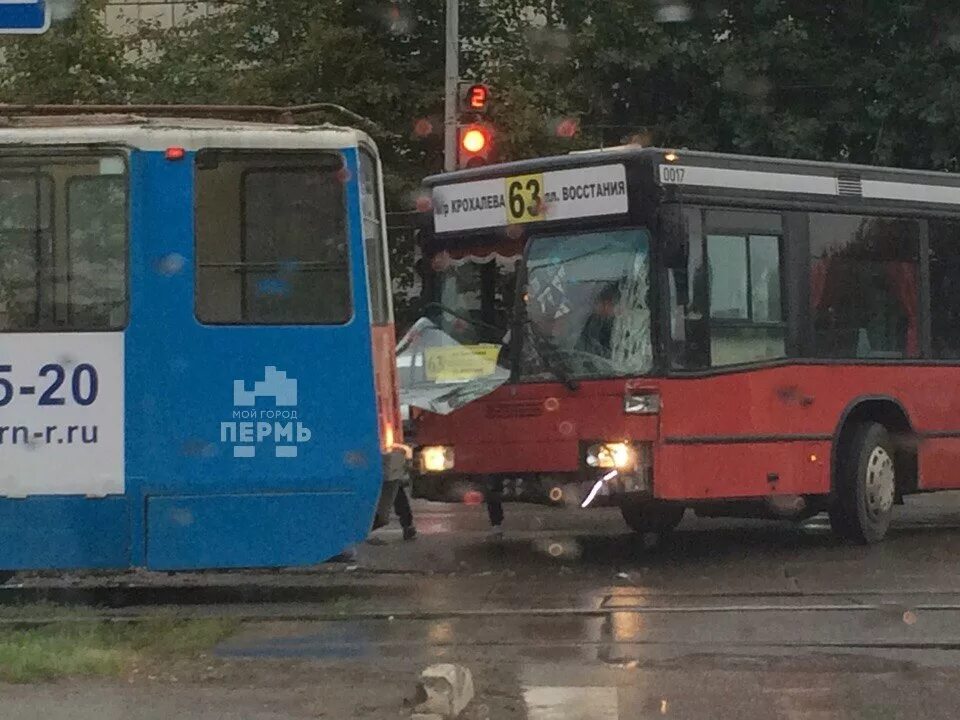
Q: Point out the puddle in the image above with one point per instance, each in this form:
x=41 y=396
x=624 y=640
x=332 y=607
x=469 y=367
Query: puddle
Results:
x=571 y=703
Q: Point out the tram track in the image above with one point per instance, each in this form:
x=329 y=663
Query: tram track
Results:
x=33 y=606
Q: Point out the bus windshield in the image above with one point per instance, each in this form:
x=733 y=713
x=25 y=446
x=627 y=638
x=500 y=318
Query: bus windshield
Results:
x=473 y=298
x=587 y=306
x=457 y=352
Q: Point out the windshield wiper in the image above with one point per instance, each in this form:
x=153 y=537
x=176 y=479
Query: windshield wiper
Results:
x=461 y=316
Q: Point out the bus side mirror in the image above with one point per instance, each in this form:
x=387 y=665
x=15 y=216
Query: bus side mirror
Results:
x=672 y=229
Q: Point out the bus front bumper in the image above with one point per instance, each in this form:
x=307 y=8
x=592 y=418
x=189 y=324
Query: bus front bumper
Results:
x=557 y=489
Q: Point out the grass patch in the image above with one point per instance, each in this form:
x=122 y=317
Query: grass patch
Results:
x=103 y=648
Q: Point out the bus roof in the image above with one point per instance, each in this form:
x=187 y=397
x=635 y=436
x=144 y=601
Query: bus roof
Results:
x=159 y=133
x=632 y=154
x=600 y=184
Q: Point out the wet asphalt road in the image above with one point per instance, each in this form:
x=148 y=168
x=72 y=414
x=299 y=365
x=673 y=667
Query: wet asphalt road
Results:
x=571 y=617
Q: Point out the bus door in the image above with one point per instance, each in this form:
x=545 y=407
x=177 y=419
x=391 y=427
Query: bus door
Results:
x=254 y=410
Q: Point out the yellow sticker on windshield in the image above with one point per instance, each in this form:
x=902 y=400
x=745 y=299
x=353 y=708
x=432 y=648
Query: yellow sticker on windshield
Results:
x=461 y=363
x=525 y=201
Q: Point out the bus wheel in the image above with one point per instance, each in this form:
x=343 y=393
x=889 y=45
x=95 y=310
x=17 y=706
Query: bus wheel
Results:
x=650 y=516
x=866 y=486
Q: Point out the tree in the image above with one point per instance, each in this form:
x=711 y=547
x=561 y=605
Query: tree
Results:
x=861 y=80
x=77 y=61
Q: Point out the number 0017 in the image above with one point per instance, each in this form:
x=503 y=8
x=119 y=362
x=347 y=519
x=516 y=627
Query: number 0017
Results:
x=670 y=174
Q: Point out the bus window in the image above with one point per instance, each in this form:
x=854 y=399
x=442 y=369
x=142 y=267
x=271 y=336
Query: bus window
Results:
x=746 y=312
x=689 y=333
x=864 y=286
x=271 y=239
x=474 y=287
x=587 y=305
x=945 y=289
x=96 y=236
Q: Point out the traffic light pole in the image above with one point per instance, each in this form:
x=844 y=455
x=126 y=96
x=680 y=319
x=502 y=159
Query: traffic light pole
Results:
x=452 y=83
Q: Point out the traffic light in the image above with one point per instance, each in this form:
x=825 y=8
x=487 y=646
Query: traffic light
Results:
x=475 y=136
x=475 y=145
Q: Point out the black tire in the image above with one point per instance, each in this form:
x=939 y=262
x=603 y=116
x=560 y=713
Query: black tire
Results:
x=865 y=486
x=651 y=516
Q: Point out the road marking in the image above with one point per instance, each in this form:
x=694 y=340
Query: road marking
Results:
x=571 y=703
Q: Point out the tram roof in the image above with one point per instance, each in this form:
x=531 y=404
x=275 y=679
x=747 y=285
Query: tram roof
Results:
x=160 y=133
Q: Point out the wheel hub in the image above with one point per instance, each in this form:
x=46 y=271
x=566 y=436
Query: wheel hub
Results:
x=880 y=482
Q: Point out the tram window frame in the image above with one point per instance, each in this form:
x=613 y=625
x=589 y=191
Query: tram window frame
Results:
x=68 y=238
x=51 y=270
x=46 y=232
x=209 y=305
x=375 y=248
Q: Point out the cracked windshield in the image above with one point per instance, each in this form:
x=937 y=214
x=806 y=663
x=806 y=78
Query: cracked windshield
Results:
x=479 y=359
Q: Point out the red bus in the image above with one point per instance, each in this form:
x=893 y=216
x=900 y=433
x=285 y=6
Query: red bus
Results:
x=675 y=330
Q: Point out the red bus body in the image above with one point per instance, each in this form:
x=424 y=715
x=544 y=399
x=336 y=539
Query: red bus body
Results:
x=777 y=427
x=745 y=435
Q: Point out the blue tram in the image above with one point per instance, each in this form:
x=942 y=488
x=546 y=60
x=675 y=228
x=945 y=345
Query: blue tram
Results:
x=196 y=344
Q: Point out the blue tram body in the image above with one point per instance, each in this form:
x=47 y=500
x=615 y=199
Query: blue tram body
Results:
x=189 y=368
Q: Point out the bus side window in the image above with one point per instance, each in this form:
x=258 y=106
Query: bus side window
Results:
x=864 y=286
x=945 y=289
x=690 y=342
x=746 y=309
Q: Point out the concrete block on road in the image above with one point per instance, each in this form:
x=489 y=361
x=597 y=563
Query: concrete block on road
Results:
x=448 y=690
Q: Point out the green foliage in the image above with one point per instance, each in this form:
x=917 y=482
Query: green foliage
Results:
x=75 y=62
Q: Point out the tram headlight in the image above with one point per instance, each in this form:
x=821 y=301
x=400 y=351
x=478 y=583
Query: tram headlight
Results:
x=436 y=458
x=612 y=456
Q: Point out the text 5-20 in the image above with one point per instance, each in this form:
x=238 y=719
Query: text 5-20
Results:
x=56 y=385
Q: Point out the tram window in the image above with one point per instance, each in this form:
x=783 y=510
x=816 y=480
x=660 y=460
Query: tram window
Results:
x=63 y=230
x=271 y=239
x=377 y=275
x=26 y=233
x=96 y=236
x=864 y=286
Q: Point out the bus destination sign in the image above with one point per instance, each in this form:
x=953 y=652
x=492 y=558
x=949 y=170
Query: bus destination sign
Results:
x=554 y=195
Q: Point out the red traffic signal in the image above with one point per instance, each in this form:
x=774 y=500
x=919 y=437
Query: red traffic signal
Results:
x=475 y=145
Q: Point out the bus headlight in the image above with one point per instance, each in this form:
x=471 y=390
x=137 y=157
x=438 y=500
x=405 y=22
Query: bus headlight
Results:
x=613 y=455
x=436 y=458
x=638 y=403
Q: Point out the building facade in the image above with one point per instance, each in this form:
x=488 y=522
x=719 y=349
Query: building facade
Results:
x=124 y=15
